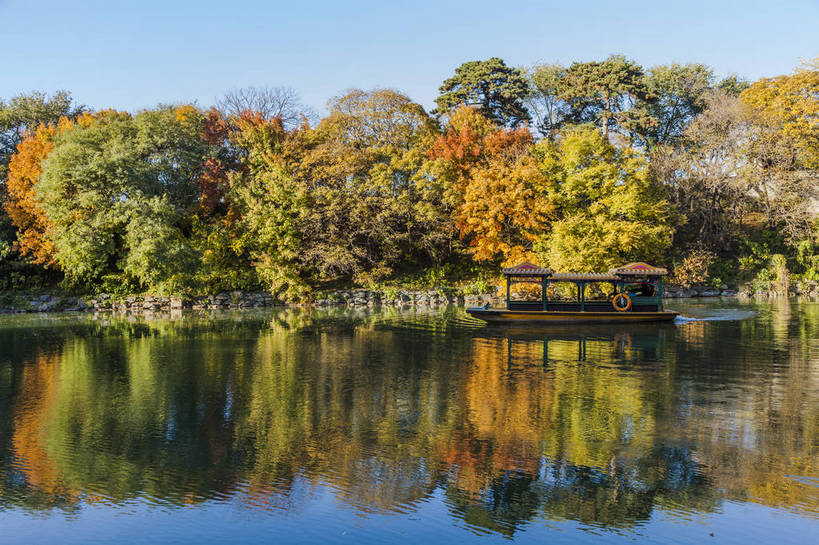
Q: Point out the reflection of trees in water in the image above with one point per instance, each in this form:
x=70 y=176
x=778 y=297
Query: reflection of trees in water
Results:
x=749 y=402
x=609 y=497
x=384 y=413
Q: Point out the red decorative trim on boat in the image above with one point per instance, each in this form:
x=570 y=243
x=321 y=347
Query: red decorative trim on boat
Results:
x=638 y=269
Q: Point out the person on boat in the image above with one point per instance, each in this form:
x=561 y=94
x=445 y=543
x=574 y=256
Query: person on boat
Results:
x=643 y=289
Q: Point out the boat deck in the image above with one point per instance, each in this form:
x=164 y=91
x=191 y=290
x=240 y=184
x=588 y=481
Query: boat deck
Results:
x=639 y=304
x=513 y=316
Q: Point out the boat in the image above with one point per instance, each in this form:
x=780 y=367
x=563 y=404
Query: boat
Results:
x=635 y=296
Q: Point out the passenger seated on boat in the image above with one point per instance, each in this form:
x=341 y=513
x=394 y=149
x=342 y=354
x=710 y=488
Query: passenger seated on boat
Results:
x=644 y=289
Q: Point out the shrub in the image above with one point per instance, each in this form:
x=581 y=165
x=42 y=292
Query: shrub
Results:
x=693 y=269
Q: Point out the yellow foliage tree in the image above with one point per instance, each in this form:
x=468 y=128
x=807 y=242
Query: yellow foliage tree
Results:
x=793 y=102
x=504 y=209
x=609 y=210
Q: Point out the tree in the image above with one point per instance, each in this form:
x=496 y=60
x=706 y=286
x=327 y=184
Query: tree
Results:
x=733 y=85
x=368 y=215
x=736 y=168
x=25 y=113
x=119 y=193
x=492 y=185
x=271 y=204
x=608 y=209
x=680 y=93
x=792 y=102
x=18 y=117
x=268 y=102
x=610 y=93
x=22 y=207
x=504 y=208
x=496 y=90
x=342 y=200
x=703 y=174
x=548 y=111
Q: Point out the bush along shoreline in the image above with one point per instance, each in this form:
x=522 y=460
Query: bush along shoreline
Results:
x=352 y=298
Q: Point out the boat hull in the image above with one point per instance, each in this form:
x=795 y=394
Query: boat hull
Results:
x=503 y=316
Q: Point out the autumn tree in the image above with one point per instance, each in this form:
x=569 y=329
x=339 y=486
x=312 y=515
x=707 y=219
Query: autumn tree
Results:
x=368 y=214
x=792 y=103
x=25 y=112
x=22 y=207
x=608 y=210
x=734 y=167
x=492 y=184
x=496 y=90
x=343 y=200
x=19 y=116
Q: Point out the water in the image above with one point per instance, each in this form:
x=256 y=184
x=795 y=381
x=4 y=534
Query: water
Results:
x=343 y=427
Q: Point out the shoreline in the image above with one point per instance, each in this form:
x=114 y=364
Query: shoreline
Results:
x=20 y=303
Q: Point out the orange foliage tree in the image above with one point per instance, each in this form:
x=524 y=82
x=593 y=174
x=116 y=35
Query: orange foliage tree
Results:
x=25 y=167
x=493 y=185
x=213 y=180
x=22 y=207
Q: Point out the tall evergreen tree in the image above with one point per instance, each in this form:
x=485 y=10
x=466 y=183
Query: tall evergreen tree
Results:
x=609 y=93
x=496 y=90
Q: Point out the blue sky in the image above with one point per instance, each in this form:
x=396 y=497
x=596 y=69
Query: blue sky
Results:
x=135 y=54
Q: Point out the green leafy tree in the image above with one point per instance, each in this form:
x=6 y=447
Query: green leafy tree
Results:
x=26 y=112
x=680 y=92
x=733 y=85
x=120 y=191
x=271 y=205
x=608 y=209
x=496 y=90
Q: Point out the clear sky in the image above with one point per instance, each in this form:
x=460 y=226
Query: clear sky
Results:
x=137 y=53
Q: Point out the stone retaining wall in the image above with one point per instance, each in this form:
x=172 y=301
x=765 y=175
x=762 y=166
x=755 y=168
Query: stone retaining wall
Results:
x=403 y=298
x=356 y=298
x=675 y=292
x=233 y=300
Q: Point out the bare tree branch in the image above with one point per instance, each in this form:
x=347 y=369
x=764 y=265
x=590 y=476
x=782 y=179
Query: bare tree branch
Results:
x=283 y=102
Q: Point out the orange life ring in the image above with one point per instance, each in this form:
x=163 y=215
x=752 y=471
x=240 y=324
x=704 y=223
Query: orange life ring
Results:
x=621 y=308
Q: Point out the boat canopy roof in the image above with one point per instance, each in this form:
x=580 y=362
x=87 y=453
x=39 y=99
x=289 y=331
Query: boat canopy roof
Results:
x=527 y=269
x=636 y=269
x=584 y=277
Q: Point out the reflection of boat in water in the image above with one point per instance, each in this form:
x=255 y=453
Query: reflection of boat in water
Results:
x=636 y=296
x=637 y=343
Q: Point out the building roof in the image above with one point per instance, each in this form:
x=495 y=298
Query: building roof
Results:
x=575 y=276
x=638 y=269
x=526 y=269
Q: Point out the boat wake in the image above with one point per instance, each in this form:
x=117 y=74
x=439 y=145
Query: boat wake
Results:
x=724 y=315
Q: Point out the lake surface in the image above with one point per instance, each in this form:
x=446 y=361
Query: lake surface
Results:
x=347 y=427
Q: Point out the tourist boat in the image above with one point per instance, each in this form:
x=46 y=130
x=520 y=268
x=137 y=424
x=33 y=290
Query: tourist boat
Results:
x=636 y=295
